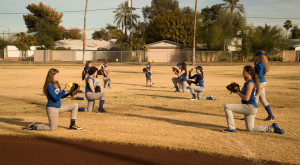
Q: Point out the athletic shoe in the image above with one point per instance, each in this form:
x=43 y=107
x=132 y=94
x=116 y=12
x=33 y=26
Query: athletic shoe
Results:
x=228 y=130
x=30 y=126
x=75 y=127
x=269 y=118
x=108 y=87
x=187 y=87
x=102 y=110
x=193 y=99
x=212 y=97
x=177 y=90
x=277 y=129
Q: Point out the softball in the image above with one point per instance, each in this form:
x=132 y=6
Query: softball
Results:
x=117 y=59
x=153 y=61
x=70 y=85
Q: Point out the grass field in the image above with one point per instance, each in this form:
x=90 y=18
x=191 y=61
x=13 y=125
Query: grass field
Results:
x=156 y=116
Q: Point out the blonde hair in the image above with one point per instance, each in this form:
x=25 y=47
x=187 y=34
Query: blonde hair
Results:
x=49 y=80
x=264 y=59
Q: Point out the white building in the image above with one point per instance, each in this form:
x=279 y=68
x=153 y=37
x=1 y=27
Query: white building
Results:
x=90 y=44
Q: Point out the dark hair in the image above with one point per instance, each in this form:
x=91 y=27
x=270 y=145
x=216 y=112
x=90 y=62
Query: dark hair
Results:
x=92 y=70
x=88 y=63
x=202 y=73
x=49 y=80
x=183 y=65
x=251 y=71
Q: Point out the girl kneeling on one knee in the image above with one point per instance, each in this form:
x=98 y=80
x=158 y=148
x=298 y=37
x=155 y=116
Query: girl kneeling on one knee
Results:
x=248 y=106
x=54 y=106
x=199 y=88
x=90 y=93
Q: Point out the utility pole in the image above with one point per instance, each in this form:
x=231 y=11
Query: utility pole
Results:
x=83 y=58
x=195 y=28
x=131 y=27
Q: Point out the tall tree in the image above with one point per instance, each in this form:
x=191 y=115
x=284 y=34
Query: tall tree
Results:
x=295 y=32
x=100 y=34
x=268 y=38
x=287 y=25
x=175 y=27
x=159 y=7
x=232 y=5
x=123 y=16
x=44 y=21
x=194 y=36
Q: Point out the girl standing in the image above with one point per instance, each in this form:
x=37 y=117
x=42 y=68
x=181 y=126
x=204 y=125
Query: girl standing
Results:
x=54 y=106
x=199 y=88
x=106 y=78
x=261 y=67
x=90 y=92
x=148 y=75
x=248 y=106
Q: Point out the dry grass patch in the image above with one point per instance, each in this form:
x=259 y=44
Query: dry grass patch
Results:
x=157 y=116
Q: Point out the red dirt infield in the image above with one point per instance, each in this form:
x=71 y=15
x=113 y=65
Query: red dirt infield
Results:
x=44 y=151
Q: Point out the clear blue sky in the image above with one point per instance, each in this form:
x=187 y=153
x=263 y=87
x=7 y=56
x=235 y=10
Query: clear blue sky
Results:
x=98 y=19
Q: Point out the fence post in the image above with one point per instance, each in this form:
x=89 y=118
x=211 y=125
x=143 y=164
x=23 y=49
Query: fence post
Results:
x=231 y=57
x=121 y=56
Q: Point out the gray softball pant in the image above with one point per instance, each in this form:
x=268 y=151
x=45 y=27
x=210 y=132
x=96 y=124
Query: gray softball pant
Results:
x=105 y=80
x=53 y=114
x=199 y=91
x=262 y=94
x=249 y=111
x=91 y=97
x=183 y=84
x=148 y=81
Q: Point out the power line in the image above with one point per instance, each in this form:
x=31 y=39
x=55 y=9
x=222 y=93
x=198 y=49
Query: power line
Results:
x=271 y=18
x=74 y=11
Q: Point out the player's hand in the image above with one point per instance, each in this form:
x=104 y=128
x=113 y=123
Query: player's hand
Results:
x=67 y=87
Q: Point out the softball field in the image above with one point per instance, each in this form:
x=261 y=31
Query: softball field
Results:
x=157 y=116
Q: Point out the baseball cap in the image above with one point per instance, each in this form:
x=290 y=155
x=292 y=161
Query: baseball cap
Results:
x=198 y=67
x=148 y=63
x=178 y=64
x=260 y=53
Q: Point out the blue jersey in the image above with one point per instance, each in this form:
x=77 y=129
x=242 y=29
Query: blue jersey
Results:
x=252 y=97
x=199 y=78
x=105 y=72
x=260 y=70
x=86 y=68
x=87 y=86
x=183 y=76
x=54 y=96
x=148 y=74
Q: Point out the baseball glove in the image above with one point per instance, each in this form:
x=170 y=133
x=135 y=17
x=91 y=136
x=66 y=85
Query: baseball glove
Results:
x=145 y=70
x=189 y=82
x=175 y=70
x=74 y=89
x=233 y=87
x=97 y=89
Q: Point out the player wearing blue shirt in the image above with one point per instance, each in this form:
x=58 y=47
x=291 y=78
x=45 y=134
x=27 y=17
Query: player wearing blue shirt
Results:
x=248 y=106
x=106 y=78
x=148 y=75
x=181 y=77
x=199 y=88
x=261 y=67
x=54 y=106
x=90 y=92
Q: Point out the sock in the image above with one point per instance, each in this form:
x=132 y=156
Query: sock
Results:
x=208 y=98
x=81 y=109
x=194 y=96
x=72 y=122
x=101 y=104
x=34 y=127
x=268 y=109
x=80 y=98
x=177 y=88
x=108 y=85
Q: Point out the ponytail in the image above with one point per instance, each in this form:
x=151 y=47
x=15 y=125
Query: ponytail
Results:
x=254 y=77
x=202 y=75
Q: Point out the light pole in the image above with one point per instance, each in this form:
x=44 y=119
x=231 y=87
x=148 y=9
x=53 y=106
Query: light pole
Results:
x=195 y=28
x=131 y=26
x=83 y=57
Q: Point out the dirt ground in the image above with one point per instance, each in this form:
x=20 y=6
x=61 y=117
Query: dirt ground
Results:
x=159 y=117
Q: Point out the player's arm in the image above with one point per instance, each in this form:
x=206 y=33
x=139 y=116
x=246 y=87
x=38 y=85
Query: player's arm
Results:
x=249 y=89
x=53 y=95
x=180 y=73
x=91 y=85
x=105 y=73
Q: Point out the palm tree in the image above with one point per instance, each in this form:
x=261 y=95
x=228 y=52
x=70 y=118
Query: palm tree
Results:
x=232 y=5
x=122 y=16
x=83 y=58
x=194 y=41
x=287 y=25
